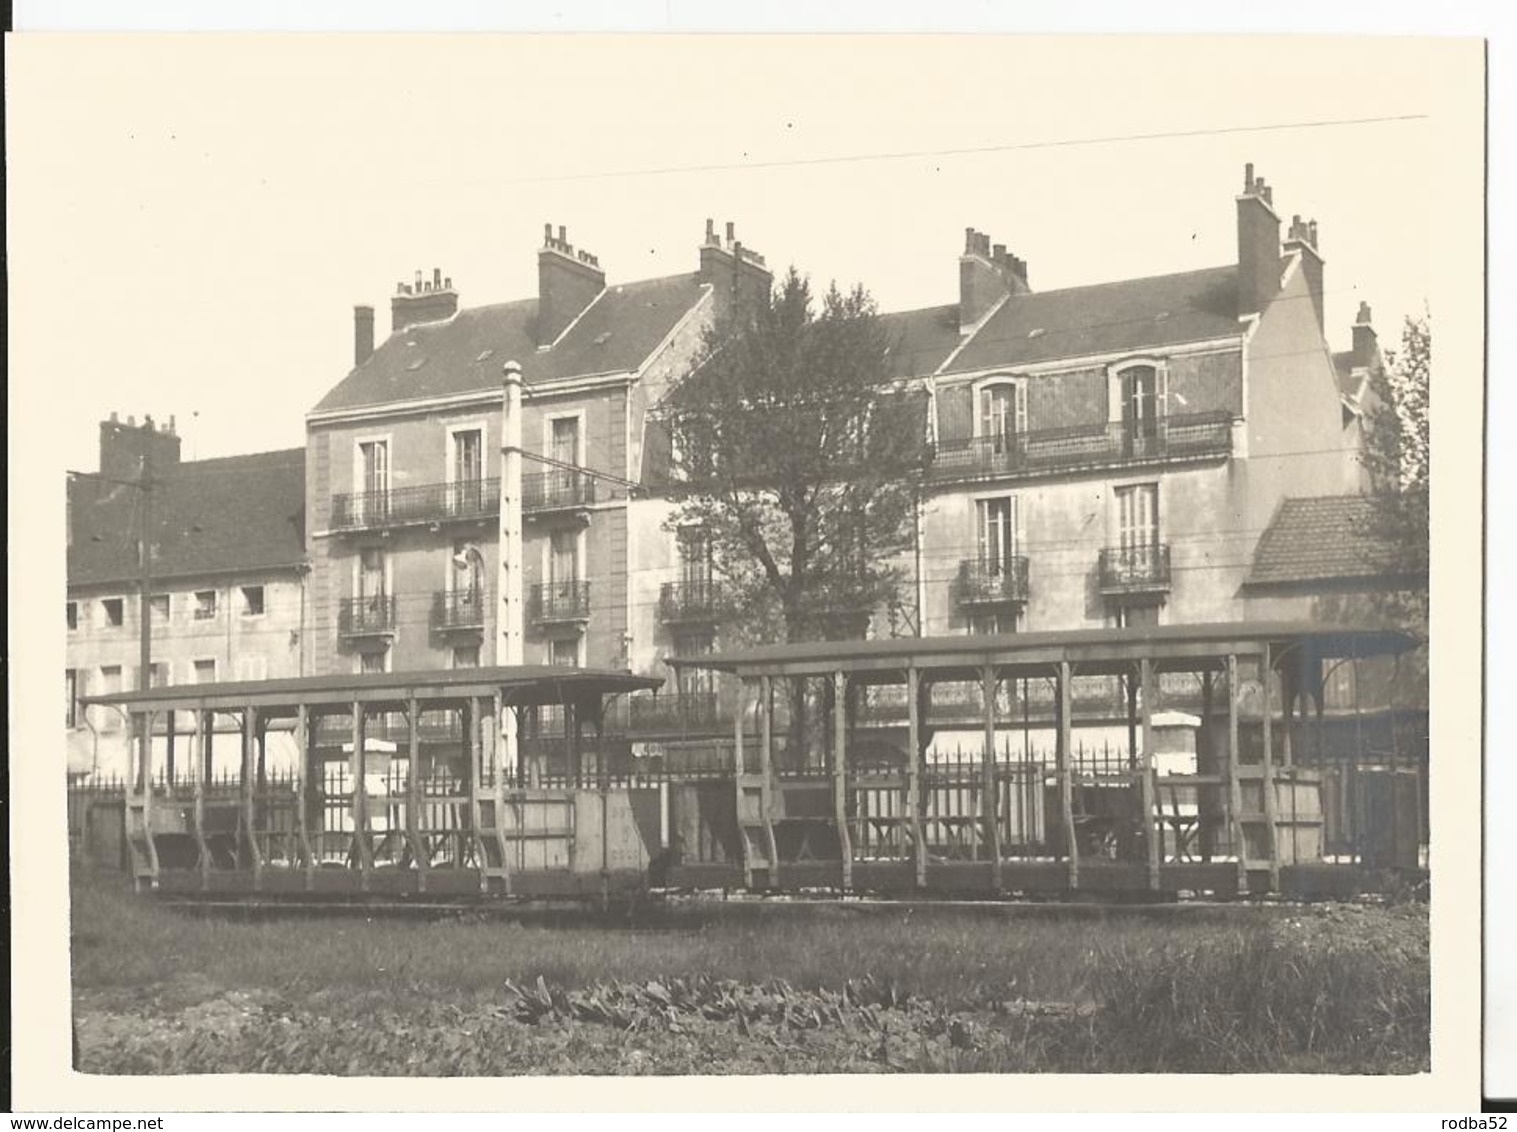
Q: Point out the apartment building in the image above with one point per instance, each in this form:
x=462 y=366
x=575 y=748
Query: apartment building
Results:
x=404 y=462
x=227 y=568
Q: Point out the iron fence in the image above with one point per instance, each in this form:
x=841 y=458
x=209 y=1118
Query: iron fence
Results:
x=366 y=616
x=553 y=602
x=1096 y=445
x=422 y=503
x=560 y=488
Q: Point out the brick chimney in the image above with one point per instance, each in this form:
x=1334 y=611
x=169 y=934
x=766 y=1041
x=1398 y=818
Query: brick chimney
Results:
x=1301 y=240
x=1366 y=341
x=363 y=334
x=122 y=447
x=987 y=274
x=425 y=300
x=738 y=276
x=567 y=282
x=1258 y=244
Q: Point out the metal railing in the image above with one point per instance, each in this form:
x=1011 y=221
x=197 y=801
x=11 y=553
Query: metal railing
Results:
x=704 y=600
x=459 y=609
x=366 y=616
x=556 y=490
x=688 y=711
x=1134 y=569
x=560 y=601
x=423 y=503
x=1098 y=445
x=992 y=583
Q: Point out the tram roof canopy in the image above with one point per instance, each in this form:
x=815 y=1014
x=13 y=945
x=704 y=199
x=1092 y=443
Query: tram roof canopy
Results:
x=1092 y=651
x=519 y=684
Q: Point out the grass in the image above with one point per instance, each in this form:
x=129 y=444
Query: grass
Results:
x=773 y=989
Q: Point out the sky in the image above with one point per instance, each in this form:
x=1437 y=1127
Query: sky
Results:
x=210 y=210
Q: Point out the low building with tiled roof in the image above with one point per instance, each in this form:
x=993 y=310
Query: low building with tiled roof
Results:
x=1328 y=540
x=227 y=571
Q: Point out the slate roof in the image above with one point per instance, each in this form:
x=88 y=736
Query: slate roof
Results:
x=1130 y=315
x=1350 y=384
x=243 y=513
x=921 y=340
x=464 y=354
x=1323 y=538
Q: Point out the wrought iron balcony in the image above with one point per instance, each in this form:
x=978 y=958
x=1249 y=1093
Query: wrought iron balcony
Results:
x=1134 y=570
x=1046 y=451
x=558 y=490
x=993 y=583
x=459 y=609
x=557 y=603
x=691 y=602
x=462 y=500
x=680 y=712
x=372 y=616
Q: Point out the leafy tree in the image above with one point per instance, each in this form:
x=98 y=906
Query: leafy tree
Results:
x=1396 y=457
x=796 y=453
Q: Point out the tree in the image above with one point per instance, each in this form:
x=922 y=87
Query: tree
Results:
x=798 y=457
x=1396 y=457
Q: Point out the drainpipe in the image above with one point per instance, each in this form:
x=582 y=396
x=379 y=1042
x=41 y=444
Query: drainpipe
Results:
x=508 y=641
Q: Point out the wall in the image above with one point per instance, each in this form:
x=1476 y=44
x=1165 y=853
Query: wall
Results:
x=271 y=646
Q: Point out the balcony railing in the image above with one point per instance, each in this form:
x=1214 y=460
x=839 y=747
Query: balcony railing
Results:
x=993 y=583
x=367 y=616
x=559 y=602
x=1134 y=569
x=459 y=609
x=558 y=490
x=423 y=503
x=691 y=602
x=680 y=712
x=1084 y=446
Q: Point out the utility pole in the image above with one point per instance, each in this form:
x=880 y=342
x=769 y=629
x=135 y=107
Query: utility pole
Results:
x=145 y=618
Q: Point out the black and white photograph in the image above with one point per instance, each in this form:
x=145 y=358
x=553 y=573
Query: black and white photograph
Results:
x=748 y=556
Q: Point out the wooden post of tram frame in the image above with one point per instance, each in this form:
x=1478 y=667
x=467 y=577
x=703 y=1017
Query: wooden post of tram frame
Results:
x=1063 y=753
x=1152 y=820
x=840 y=773
x=914 y=774
x=1234 y=787
x=989 y=787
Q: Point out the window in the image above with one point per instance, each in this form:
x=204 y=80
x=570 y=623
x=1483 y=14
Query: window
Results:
x=373 y=480
x=1138 y=517
x=564 y=440
x=158 y=674
x=694 y=560
x=73 y=718
x=115 y=612
x=252 y=601
x=1137 y=616
x=73 y=614
x=252 y=668
x=466 y=573
x=564 y=652
x=205 y=671
x=372 y=661
x=466 y=656
x=563 y=561
x=160 y=608
x=1339 y=690
x=996 y=526
x=991 y=623
x=694 y=682
x=468 y=470
x=205 y=605
x=1003 y=413
x=110 y=683
x=371 y=574
x=1137 y=394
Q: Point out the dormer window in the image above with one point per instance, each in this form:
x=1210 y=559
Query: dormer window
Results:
x=1002 y=408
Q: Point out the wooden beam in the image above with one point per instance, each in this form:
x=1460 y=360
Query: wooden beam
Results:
x=840 y=772
x=358 y=769
x=989 y=787
x=1266 y=728
x=766 y=768
x=202 y=759
x=249 y=774
x=1062 y=753
x=915 y=751
x=1153 y=830
x=1234 y=788
x=413 y=792
x=305 y=747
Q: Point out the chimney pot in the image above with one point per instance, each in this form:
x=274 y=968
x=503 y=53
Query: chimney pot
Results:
x=968 y=240
x=171 y=425
x=710 y=230
x=1312 y=229
x=436 y=277
x=563 y=234
x=131 y=420
x=1363 y=319
x=1000 y=252
x=114 y=418
x=1248 y=177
